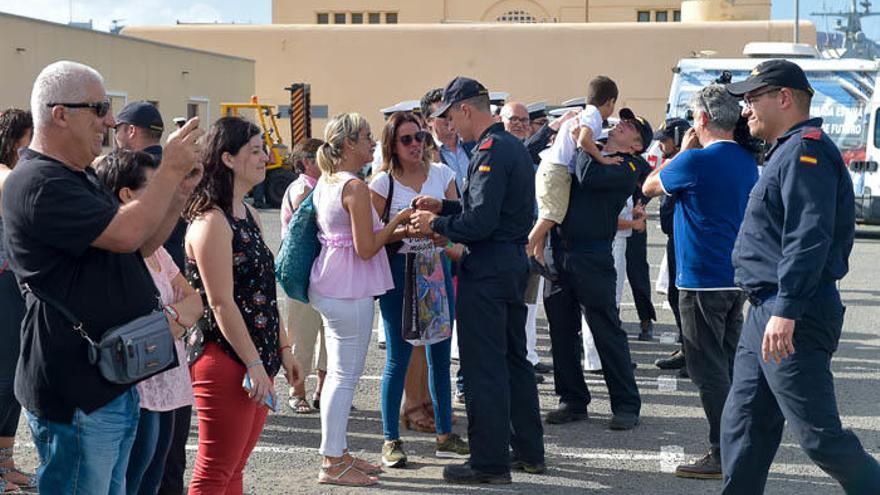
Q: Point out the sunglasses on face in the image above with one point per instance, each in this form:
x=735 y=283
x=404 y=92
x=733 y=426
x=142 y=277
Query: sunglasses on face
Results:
x=101 y=108
x=407 y=139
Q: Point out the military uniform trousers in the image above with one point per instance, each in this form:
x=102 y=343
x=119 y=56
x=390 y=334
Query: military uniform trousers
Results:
x=586 y=286
x=638 y=274
x=499 y=383
x=800 y=390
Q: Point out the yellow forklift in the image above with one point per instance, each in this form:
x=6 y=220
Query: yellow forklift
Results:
x=279 y=170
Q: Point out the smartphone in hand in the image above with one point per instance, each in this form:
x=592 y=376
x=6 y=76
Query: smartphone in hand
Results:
x=269 y=400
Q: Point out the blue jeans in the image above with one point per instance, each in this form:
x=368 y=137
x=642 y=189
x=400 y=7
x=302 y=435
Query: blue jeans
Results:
x=89 y=455
x=398 y=352
x=148 y=454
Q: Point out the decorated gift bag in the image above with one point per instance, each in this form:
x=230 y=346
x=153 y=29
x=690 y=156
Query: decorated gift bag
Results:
x=426 y=318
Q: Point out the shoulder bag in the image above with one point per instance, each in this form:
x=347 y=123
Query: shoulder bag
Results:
x=299 y=248
x=392 y=247
x=128 y=353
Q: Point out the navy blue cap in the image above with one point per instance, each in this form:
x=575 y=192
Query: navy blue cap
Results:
x=459 y=89
x=776 y=72
x=642 y=124
x=141 y=114
x=672 y=128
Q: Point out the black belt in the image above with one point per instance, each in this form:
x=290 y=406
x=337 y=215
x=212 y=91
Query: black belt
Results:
x=761 y=296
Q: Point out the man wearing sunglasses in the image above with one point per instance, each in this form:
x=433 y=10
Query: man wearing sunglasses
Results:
x=793 y=247
x=70 y=240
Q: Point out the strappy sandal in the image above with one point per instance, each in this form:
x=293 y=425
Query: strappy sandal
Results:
x=7 y=486
x=362 y=465
x=422 y=425
x=300 y=405
x=316 y=401
x=325 y=478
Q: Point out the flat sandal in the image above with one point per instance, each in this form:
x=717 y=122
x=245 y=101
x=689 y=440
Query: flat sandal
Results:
x=325 y=478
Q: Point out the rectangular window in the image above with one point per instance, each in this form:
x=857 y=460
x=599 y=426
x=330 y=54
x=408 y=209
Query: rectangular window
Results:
x=192 y=110
x=357 y=18
x=391 y=18
x=661 y=16
x=676 y=16
x=339 y=18
x=117 y=101
x=375 y=18
x=323 y=18
x=644 y=16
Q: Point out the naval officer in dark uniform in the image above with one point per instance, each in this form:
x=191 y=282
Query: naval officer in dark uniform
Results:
x=793 y=246
x=493 y=220
x=585 y=283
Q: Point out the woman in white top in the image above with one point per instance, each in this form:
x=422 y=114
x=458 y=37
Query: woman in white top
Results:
x=407 y=165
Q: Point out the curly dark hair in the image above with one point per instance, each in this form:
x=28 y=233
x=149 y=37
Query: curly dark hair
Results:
x=14 y=125
x=125 y=168
x=226 y=135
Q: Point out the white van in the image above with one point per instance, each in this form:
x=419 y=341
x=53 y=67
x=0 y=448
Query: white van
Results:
x=845 y=99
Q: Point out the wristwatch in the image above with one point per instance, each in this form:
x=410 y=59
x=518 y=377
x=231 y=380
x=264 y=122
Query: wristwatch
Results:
x=170 y=311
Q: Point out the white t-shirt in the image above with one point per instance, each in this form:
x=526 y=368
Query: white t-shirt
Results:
x=562 y=151
x=439 y=178
x=626 y=213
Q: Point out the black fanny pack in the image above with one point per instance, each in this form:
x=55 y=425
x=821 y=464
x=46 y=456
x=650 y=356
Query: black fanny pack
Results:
x=128 y=353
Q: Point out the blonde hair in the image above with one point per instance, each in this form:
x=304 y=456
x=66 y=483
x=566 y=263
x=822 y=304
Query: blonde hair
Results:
x=338 y=129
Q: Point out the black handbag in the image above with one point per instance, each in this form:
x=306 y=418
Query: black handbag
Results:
x=392 y=247
x=128 y=353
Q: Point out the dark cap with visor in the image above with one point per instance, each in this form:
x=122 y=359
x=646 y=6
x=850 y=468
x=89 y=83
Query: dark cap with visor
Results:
x=776 y=72
x=459 y=89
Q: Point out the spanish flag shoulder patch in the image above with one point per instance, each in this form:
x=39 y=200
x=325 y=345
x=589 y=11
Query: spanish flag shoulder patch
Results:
x=485 y=168
x=809 y=160
x=813 y=133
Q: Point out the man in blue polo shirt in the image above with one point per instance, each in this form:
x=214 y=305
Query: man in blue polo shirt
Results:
x=712 y=187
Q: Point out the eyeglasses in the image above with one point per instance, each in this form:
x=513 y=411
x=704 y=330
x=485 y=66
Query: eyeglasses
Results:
x=101 y=108
x=407 y=139
x=751 y=99
x=518 y=120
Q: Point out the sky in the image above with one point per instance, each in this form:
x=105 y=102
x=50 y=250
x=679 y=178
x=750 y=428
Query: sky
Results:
x=139 y=12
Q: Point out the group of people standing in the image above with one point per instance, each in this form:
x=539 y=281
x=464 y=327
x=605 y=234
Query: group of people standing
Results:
x=464 y=214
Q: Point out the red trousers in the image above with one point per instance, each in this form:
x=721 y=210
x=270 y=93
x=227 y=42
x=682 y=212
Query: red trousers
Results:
x=229 y=424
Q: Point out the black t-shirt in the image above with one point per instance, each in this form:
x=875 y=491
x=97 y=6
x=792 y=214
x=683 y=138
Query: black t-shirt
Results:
x=53 y=214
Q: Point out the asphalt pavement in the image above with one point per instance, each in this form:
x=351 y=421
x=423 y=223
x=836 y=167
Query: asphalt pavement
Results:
x=586 y=457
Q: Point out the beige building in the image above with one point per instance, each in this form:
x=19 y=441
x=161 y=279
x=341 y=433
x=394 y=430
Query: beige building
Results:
x=366 y=68
x=183 y=82
x=525 y=11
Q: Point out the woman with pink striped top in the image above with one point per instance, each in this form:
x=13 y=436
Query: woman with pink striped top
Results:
x=351 y=269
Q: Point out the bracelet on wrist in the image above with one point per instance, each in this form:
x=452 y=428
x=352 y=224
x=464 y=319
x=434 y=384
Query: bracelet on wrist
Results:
x=281 y=349
x=253 y=363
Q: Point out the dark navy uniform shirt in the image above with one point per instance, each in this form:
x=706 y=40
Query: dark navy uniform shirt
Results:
x=799 y=224
x=598 y=193
x=497 y=204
